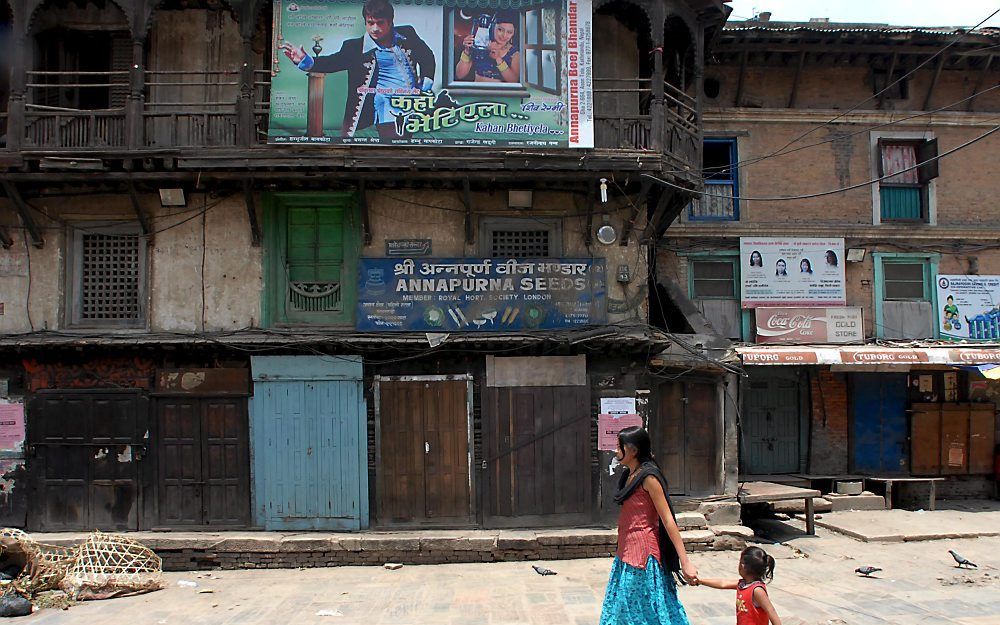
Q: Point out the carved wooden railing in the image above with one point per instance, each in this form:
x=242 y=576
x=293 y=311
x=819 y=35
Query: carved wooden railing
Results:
x=56 y=129
x=191 y=108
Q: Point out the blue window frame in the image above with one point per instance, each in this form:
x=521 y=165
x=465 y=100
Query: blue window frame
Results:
x=721 y=172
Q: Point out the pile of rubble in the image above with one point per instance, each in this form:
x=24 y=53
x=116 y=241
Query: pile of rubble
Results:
x=101 y=567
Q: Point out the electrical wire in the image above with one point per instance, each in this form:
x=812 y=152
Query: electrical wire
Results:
x=808 y=196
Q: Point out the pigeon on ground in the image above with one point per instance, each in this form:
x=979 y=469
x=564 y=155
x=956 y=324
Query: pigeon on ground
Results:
x=541 y=570
x=962 y=561
x=867 y=570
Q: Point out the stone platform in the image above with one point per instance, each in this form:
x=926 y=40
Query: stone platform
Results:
x=185 y=551
x=952 y=520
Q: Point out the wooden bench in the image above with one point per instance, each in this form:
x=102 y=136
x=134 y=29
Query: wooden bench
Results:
x=889 y=481
x=769 y=492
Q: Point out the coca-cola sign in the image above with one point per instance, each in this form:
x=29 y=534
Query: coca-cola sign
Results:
x=809 y=325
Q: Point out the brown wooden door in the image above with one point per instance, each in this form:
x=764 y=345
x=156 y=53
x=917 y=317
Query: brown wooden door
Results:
x=982 y=433
x=203 y=462
x=685 y=436
x=925 y=439
x=88 y=447
x=538 y=449
x=423 y=464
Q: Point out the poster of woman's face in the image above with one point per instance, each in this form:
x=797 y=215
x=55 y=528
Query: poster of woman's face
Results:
x=756 y=260
x=831 y=258
x=781 y=267
x=805 y=266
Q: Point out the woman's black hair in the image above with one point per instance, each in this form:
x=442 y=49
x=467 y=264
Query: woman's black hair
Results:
x=639 y=438
x=757 y=564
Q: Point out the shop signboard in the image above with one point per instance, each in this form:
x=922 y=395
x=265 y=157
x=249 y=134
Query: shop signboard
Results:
x=969 y=307
x=432 y=73
x=779 y=272
x=809 y=325
x=480 y=294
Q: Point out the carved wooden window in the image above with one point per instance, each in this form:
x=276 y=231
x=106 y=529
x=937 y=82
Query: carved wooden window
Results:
x=107 y=277
x=312 y=257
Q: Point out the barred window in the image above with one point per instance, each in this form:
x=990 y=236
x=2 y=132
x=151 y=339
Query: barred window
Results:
x=520 y=238
x=520 y=243
x=108 y=275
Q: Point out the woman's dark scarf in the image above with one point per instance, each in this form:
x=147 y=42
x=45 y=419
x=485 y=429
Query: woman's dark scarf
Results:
x=671 y=562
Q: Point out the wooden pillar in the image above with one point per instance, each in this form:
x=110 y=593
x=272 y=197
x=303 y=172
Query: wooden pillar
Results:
x=699 y=94
x=245 y=124
x=20 y=62
x=657 y=126
x=135 y=104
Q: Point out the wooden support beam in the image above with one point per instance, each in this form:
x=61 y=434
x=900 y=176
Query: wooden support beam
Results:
x=742 y=76
x=661 y=205
x=467 y=200
x=798 y=77
x=255 y=233
x=888 y=79
x=979 y=83
x=636 y=210
x=366 y=224
x=5 y=239
x=934 y=81
x=144 y=222
x=25 y=213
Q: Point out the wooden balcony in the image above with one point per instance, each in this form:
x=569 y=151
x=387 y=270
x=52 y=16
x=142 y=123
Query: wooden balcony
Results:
x=202 y=118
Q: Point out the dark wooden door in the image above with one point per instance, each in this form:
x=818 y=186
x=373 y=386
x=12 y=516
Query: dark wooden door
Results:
x=686 y=438
x=538 y=449
x=423 y=474
x=87 y=450
x=204 y=462
x=770 y=427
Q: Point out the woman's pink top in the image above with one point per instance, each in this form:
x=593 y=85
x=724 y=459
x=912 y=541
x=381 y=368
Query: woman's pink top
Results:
x=638 y=525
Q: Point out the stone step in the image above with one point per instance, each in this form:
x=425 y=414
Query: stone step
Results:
x=798 y=506
x=691 y=521
x=721 y=512
x=864 y=501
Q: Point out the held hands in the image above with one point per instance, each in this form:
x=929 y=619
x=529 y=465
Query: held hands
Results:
x=690 y=572
x=295 y=55
x=467 y=42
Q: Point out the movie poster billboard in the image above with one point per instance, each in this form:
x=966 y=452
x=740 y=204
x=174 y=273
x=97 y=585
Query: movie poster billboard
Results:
x=969 y=307
x=480 y=294
x=393 y=72
x=778 y=272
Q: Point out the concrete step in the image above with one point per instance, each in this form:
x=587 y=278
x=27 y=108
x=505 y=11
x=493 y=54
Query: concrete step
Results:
x=798 y=506
x=864 y=501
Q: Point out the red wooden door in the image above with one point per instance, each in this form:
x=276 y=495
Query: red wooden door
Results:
x=423 y=452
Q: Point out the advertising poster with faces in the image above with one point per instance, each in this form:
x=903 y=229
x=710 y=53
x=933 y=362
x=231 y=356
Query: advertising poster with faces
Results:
x=792 y=272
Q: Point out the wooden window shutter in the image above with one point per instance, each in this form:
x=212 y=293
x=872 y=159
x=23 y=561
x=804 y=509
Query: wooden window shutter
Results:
x=881 y=158
x=927 y=152
x=315 y=258
x=121 y=61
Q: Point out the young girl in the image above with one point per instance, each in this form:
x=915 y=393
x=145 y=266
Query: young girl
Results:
x=753 y=607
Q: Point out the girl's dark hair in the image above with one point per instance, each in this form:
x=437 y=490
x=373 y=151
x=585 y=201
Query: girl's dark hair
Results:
x=757 y=563
x=639 y=438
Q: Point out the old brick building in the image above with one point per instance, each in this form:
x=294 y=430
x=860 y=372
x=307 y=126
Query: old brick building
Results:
x=858 y=361
x=206 y=252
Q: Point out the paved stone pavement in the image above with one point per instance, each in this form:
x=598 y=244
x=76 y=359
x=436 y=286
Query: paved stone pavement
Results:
x=814 y=585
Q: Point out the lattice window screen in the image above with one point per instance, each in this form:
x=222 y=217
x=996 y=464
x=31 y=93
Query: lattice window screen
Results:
x=110 y=277
x=520 y=243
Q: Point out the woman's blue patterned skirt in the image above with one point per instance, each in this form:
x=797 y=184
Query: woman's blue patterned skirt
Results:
x=641 y=596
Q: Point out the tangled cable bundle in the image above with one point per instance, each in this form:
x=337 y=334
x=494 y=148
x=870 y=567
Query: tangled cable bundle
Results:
x=109 y=565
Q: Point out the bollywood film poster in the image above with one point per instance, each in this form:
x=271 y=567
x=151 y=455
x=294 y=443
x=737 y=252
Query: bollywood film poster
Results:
x=969 y=307
x=480 y=294
x=432 y=72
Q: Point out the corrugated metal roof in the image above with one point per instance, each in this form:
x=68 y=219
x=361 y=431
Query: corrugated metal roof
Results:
x=843 y=27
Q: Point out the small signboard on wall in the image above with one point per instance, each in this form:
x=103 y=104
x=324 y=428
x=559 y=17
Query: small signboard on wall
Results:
x=609 y=425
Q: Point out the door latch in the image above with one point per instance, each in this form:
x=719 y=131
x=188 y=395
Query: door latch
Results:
x=427 y=447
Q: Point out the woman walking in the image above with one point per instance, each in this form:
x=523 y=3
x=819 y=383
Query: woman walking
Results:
x=642 y=590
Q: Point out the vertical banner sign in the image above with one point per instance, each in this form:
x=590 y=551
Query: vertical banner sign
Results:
x=512 y=73
x=969 y=307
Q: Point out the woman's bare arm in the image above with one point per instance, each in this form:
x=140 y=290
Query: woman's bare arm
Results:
x=655 y=490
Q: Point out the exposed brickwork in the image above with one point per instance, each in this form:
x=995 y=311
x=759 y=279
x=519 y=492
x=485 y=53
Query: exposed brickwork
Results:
x=829 y=414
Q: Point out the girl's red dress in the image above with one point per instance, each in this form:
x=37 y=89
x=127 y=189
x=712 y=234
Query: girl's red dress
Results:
x=746 y=612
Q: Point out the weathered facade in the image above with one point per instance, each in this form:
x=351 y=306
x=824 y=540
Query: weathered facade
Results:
x=200 y=365
x=799 y=118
